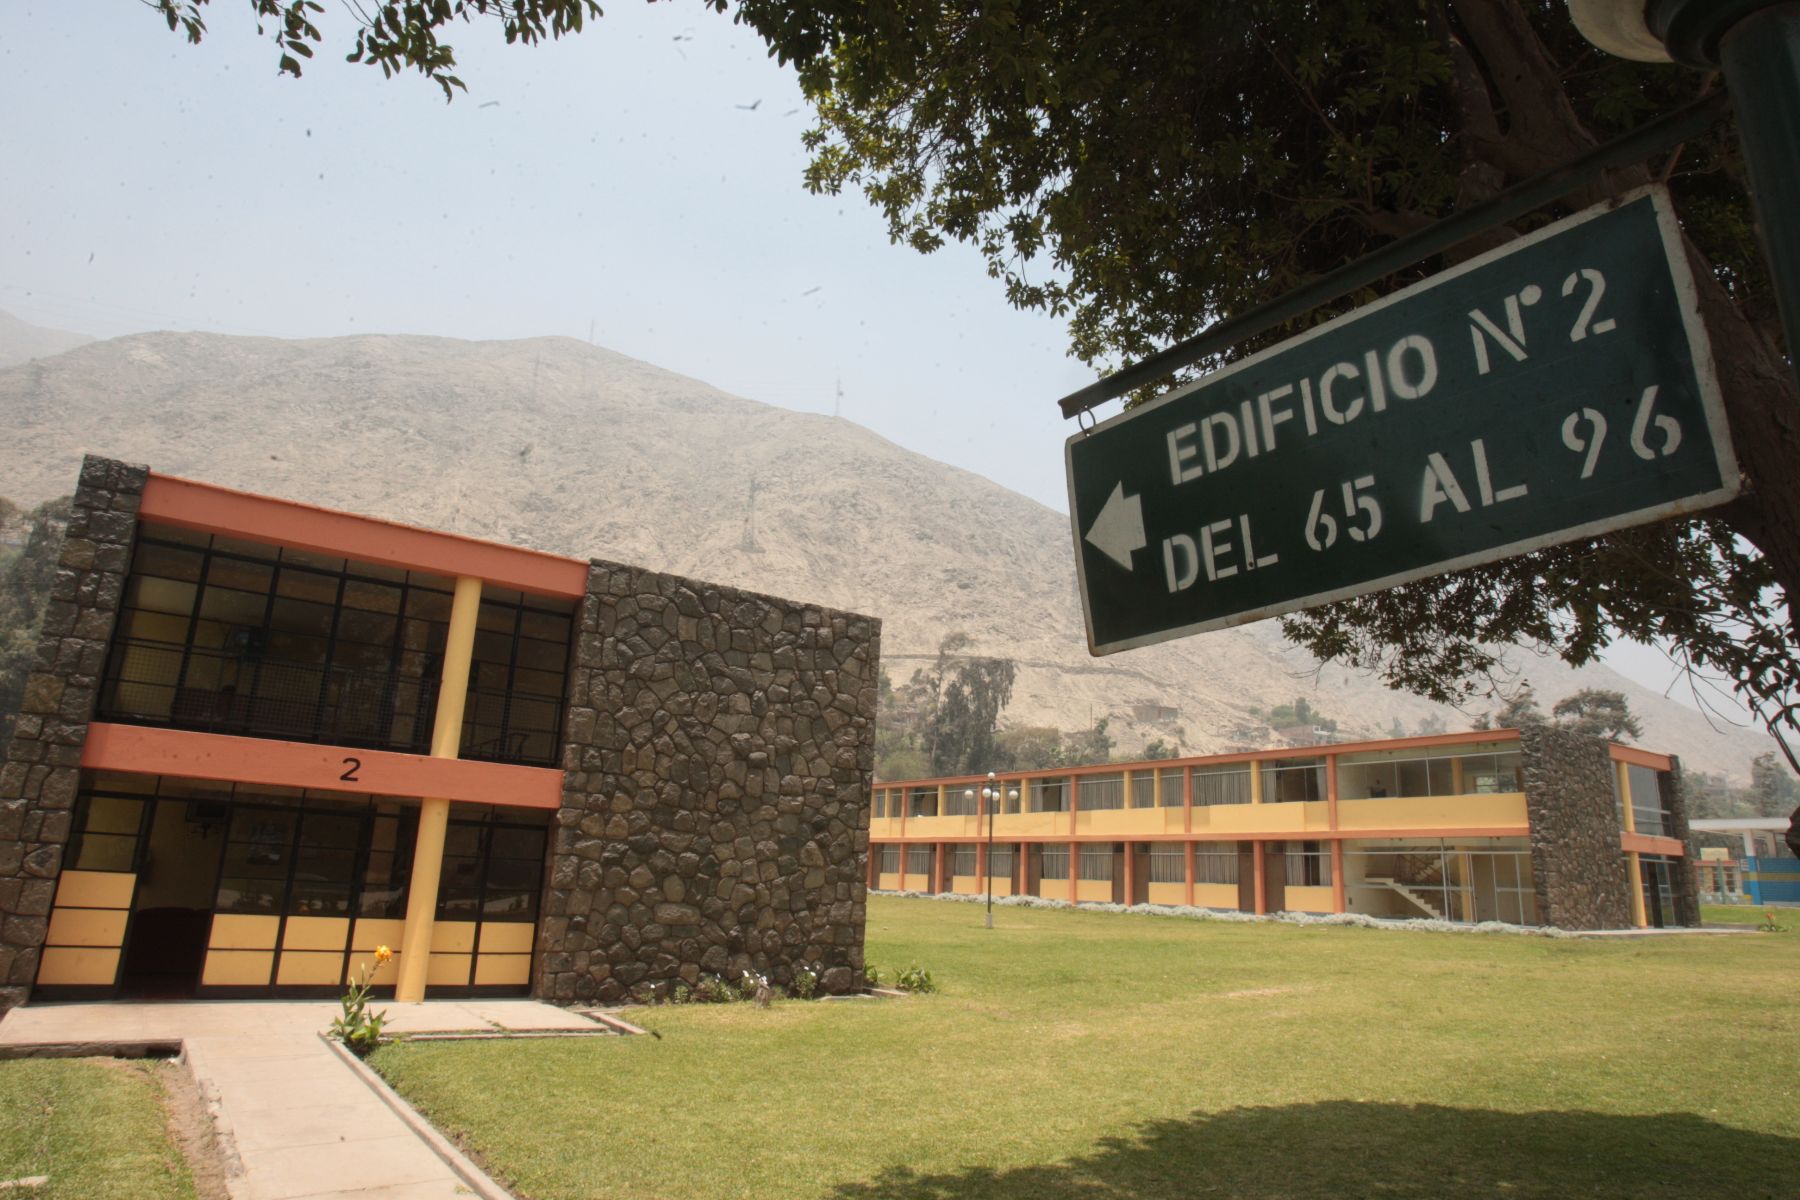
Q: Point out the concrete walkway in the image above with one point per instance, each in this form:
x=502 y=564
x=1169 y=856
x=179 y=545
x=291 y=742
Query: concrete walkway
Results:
x=295 y=1120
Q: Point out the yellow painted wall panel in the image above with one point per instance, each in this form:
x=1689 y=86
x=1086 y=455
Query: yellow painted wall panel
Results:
x=888 y=883
x=72 y=966
x=1041 y=824
x=95 y=889
x=87 y=927
x=1168 y=893
x=968 y=885
x=369 y=934
x=384 y=975
x=507 y=937
x=238 y=968
x=944 y=827
x=1120 y=821
x=1096 y=890
x=1002 y=887
x=239 y=931
x=309 y=967
x=316 y=933
x=884 y=827
x=453 y=937
x=1274 y=820
x=1308 y=899
x=1216 y=895
x=448 y=970
x=503 y=968
x=1499 y=809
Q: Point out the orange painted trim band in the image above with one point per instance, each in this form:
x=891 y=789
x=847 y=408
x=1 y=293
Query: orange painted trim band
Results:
x=1267 y=835
x=208 y=508
x=145 y=751
x=1640 y=758
x=1650 y=843
x=1468 y=737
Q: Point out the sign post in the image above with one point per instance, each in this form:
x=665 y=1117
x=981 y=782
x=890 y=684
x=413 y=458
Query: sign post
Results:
x=1556 y=388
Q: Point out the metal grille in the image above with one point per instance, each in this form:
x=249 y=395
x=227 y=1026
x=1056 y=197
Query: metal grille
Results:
x=1102 y=792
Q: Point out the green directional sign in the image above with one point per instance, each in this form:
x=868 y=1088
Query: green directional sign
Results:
x=1554 y=389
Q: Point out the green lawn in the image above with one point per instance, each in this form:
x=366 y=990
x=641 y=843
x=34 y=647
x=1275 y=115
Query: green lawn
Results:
x=1749 y=914
x=1090 y=1055
x=95 y=1127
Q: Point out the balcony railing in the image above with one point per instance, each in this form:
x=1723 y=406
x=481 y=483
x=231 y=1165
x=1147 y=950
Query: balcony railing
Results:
x=226 y=691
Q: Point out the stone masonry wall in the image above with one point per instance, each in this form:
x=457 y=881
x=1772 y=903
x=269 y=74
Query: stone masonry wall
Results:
x=1577 y=865
x=718 y=753
x=40 y=773
x=1681 y=874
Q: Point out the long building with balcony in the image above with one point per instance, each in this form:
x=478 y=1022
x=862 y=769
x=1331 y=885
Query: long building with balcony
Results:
x=263 y=738
x=1531 y=827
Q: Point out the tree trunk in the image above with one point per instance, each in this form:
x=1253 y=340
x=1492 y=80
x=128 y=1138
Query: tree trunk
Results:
x=1541 y=131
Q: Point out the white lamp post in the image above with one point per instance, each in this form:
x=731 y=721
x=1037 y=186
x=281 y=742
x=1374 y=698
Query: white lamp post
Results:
x=990 y=798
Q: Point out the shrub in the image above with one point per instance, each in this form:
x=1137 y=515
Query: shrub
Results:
x=806 y=983
x=915 y=979
x=713 y=990
x=871 y=976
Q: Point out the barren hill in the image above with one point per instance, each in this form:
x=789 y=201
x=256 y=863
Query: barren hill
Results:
x=22 y=342
x=557 y=444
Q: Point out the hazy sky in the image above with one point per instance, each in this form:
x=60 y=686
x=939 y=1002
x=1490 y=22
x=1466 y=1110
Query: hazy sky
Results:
x=641 y=180
x=617 y=181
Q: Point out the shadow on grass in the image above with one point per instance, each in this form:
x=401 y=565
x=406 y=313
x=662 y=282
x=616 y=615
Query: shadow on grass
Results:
x=1345 y=1150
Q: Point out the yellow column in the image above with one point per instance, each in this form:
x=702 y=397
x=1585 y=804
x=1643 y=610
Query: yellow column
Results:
x=1635 y=873
x=434 y=815
x=1255 y=782
x=1130 y=800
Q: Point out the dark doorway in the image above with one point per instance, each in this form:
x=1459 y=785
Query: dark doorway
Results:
x=1120 y=849
x=1246 y=876
x=1274 y=877
x=165 y=945
x=1654 y=879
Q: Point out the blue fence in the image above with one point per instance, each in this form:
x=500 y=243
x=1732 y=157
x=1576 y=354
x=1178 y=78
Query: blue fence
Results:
x=1772 y=880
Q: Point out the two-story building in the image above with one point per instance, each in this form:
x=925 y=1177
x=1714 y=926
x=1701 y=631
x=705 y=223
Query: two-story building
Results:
x=263 y=738
x=1531 y=827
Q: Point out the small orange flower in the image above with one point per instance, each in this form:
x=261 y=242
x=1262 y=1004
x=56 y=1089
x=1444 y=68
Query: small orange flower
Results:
x=382 y=954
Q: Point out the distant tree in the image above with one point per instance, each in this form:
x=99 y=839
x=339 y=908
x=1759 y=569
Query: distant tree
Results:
x=1597 y=712
x=1432 y=724
x=1089 y=745
x=977 y=692
x=1397 y=729
x=1028 y=748
x=1520 y=711
x=1160 y=749
x=959 y=699
x=1773 y=790
x=1708 y=796
x=24 y=590
x=900 y=762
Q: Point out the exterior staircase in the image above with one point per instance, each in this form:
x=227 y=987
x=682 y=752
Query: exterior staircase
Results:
x=1414 y=870
x=1396 y=885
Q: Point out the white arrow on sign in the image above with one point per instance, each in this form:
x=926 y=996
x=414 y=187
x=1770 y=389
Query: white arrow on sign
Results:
x=1119 y=529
